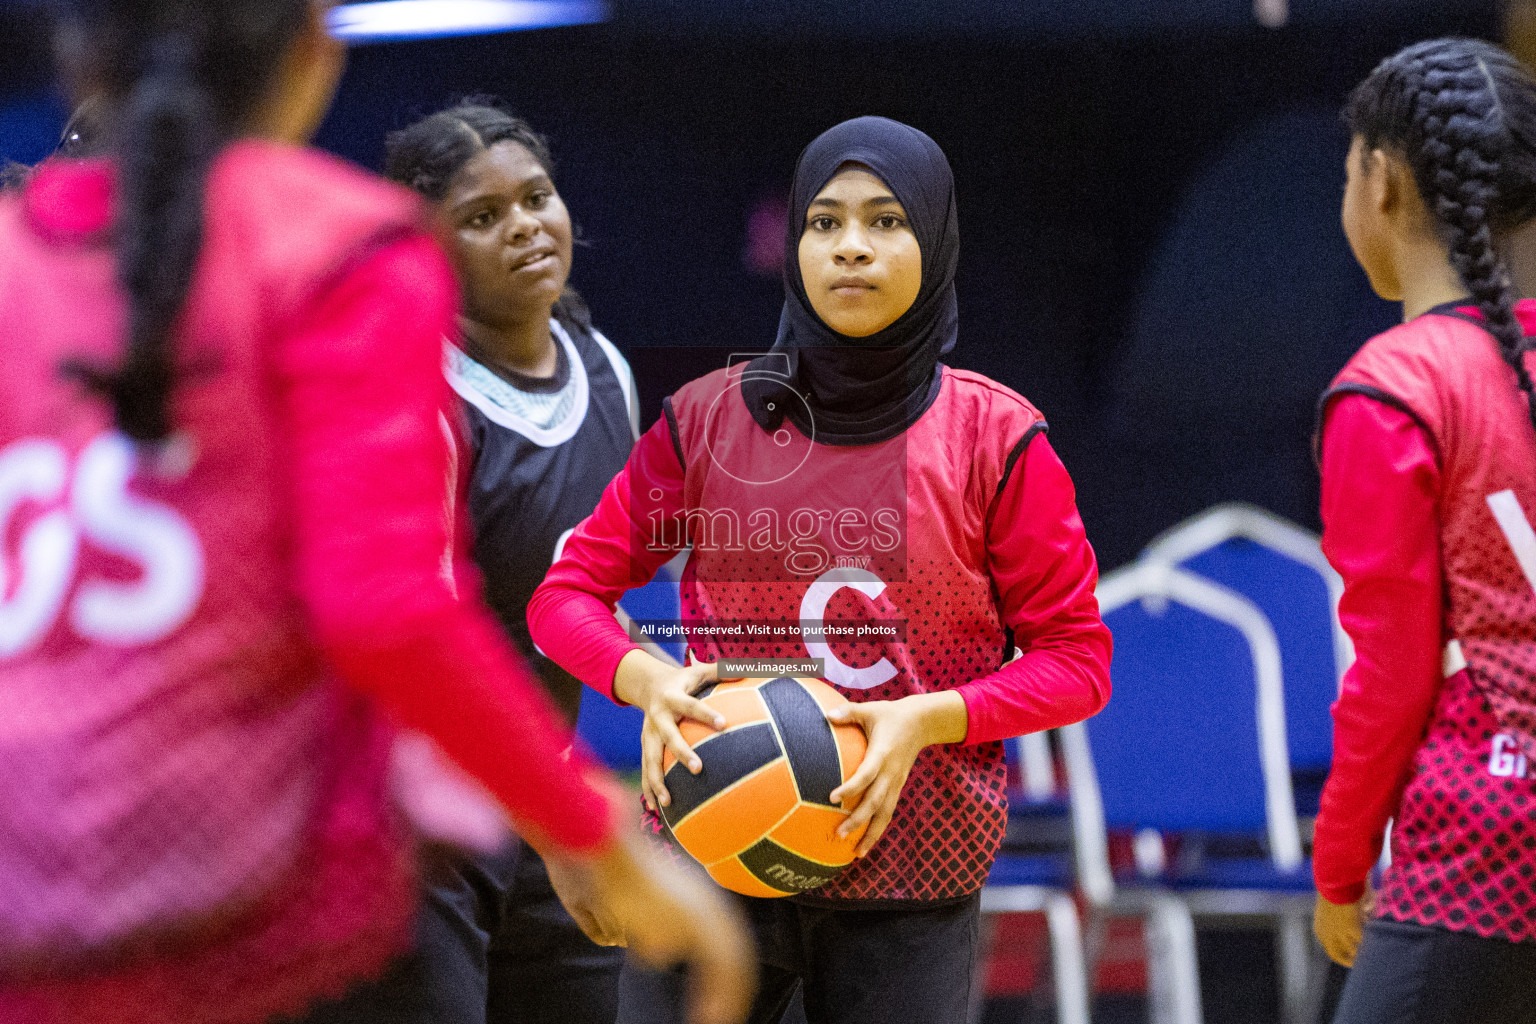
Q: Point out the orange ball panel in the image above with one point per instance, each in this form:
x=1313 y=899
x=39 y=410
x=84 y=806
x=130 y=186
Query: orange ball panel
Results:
x=736 y=818
x=694 y=733
x=740 y=706
x=826 y=695
x=852 y=745
x=811 y=832
x=732 y=874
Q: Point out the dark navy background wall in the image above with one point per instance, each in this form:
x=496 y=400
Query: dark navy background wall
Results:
x=1151 y=250
x=1013 y=17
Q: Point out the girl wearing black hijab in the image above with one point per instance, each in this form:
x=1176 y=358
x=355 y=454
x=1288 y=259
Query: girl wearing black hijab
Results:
x=848 y=479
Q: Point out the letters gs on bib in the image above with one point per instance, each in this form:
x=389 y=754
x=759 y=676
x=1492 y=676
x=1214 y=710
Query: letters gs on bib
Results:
x=89 y=502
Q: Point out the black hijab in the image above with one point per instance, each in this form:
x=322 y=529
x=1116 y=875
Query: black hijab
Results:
x=864 y=390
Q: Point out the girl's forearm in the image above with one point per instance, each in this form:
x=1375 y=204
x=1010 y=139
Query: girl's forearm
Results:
x=941 y=717
x=638 y=672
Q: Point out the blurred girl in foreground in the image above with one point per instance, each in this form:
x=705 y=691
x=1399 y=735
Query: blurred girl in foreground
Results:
x=228 y=575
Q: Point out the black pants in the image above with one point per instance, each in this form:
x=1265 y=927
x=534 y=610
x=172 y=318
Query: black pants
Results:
x=855 y=966
x=494 y=945
x=1412 y=974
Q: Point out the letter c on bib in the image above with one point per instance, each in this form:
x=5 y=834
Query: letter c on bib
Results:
x=813 y=609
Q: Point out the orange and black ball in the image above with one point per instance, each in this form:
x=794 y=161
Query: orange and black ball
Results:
x=759 y=817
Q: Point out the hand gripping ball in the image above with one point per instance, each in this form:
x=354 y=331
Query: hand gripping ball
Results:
x=759 y=817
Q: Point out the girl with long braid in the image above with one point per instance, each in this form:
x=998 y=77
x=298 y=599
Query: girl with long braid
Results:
x=1428 y=452
x=228 y=575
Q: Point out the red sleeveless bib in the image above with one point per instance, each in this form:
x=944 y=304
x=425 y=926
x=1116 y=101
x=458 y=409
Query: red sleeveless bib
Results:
x=168 y=732
x=873 y=559
x=1464 y=837
x=1448 y=375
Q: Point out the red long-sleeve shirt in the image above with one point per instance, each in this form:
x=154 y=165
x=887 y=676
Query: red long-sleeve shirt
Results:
x=369 y=517
x=1038 y=556
x=1381 y=482
x=985 y=541
x=1428 y=521
x=314 y=491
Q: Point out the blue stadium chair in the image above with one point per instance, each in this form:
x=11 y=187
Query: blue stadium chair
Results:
x=1279 y=567
x=1192 y=743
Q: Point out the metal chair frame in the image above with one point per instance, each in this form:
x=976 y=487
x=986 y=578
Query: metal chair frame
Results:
x=1211 y=529
x=1172 y=963
x=1221 y=523
x=1069 y=963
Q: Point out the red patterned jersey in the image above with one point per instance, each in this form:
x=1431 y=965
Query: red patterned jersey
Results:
x=1464 y=838
x=1464 y=842
x=1445 y=370
x=909 y=566
x=200 y=823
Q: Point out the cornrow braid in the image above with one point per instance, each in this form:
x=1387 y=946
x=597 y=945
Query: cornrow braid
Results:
x=1464 y=143
x=1463 y=113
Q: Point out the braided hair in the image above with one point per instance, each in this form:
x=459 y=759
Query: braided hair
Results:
x=178 y=79
x=1463 y=114
x=428 y=155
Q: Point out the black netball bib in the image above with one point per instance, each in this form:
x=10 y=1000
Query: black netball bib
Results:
x=542 y=451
